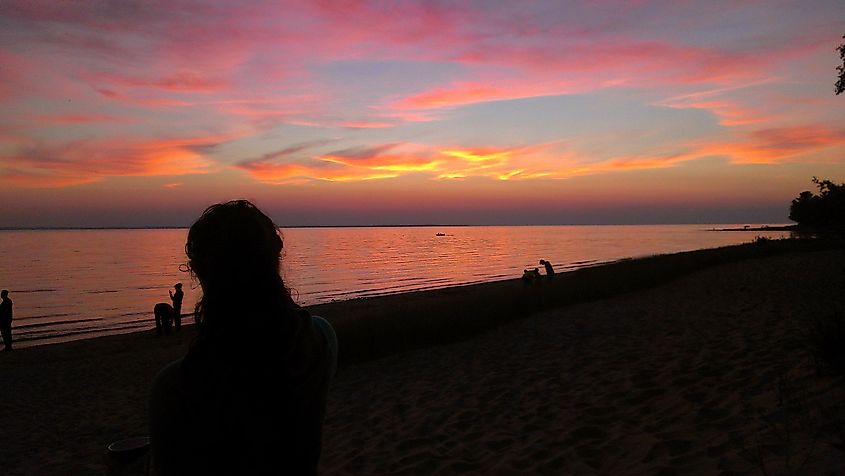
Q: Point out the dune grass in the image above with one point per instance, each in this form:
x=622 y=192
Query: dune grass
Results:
x=375 y=327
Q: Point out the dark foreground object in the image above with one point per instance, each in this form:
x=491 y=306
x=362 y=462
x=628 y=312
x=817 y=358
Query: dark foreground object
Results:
x=128 y=457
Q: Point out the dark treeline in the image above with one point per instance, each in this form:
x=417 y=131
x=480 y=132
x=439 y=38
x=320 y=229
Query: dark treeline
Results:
x=823 y=211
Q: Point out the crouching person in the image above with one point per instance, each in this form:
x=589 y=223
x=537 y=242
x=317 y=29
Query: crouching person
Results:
x=164 y=317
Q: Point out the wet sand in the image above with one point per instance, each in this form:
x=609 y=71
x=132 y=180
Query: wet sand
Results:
x=700 y=375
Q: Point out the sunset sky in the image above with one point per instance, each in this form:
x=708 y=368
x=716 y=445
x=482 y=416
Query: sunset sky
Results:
x=119 y=113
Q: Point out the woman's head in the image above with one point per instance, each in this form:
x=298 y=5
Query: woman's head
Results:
x=234 y=251
x=232 y=242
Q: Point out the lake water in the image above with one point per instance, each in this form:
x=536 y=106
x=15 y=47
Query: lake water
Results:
x=73 y=284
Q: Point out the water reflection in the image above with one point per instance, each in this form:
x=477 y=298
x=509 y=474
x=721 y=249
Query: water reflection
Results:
x=77 y=283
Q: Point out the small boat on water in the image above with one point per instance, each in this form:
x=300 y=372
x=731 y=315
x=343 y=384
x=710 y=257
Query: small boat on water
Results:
x=440 y=234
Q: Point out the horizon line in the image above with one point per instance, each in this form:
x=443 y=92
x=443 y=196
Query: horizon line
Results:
x=423 y=225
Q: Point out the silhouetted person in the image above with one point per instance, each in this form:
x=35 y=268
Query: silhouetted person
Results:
x=177 y=305
x=249 y=396
x=530 y=275
x=526 y=276
x=550 y=272
x=164 y=317
x=6 y=319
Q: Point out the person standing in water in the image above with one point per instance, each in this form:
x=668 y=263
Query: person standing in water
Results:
x=6 y=319
x=177 y=305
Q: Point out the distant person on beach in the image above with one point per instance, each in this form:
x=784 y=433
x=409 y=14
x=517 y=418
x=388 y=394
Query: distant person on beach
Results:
x=526 y=276
x=550 y=272
x=530 y=275
x=6 y=319
x=249 y=397
x=164 y=317
x=177 y=305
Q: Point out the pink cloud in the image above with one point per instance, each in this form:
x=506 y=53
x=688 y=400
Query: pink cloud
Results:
x=529 y=71
x=762 y=146
x=215 y=66
x=777 y=144
x=367 y=124
x=71 y=119
x=184 y=81
x=458 y=94
x=730 y=113
x=266 y=112
x=208 y=49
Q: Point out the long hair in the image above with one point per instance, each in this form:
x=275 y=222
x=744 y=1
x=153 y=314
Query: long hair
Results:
x=247 y=374
x=234 y=250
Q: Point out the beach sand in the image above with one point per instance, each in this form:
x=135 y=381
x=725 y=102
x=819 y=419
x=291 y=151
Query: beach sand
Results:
x=707 y=374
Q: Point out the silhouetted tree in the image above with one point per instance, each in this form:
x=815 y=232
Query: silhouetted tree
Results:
x=840 y=83
x=825 y=210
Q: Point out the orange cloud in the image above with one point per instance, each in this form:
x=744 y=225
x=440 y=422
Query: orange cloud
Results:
x=389 y=161
x=171 y=157
x=519 y=163
x=88 y=161
x=764 y=146
x=637 y=163
x=351 y=164
x=730 y=112
x=393 y=163
x=40 y=179
x=367 y=125
x=479 y=156
x=286 y=174
x=772 y=145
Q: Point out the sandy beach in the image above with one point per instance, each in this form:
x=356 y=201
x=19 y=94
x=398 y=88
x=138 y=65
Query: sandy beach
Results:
x=708 y=373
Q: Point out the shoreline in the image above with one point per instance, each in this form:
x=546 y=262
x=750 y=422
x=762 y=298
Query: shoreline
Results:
x=636 y=366
x=400 y=225
x=440 y=316
x=521 y=303
x=760 y=228
x=73 y=306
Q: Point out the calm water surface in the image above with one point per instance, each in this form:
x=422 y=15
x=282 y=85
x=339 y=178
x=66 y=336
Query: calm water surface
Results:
x=71 y=284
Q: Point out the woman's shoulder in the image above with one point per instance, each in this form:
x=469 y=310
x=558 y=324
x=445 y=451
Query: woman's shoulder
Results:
x=326 y=331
